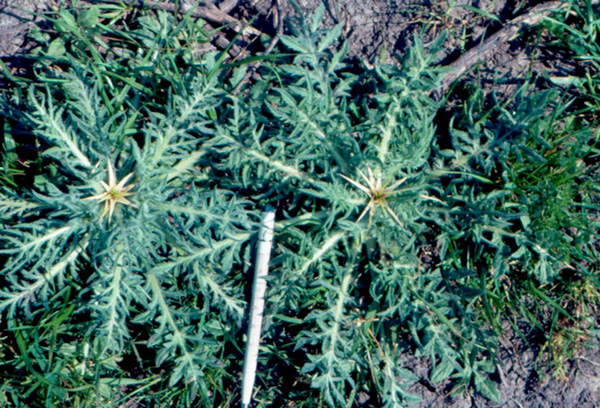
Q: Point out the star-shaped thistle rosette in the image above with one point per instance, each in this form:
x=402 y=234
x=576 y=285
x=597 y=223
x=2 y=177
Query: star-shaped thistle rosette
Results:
x=378 y=193
x=113 y=193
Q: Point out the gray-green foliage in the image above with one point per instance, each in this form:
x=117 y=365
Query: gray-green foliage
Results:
x=529 y=191
x=202 y=165
x=349 y=158
x=168 y=265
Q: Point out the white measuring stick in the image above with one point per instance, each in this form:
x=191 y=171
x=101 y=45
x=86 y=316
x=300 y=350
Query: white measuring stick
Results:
x=259 y=287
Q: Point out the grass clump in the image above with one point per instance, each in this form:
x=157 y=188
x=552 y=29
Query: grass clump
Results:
x=393 y=239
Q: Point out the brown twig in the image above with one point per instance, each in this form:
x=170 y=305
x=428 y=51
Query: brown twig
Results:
x=278 y=22
x=227 y=5
x=481 y=52
x=587 y=360
x=209 y=12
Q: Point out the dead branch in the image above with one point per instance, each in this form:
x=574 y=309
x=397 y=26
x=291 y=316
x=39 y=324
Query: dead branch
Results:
x=481 y=52
x=209 y=12
x=227 y=5
x=278 y=22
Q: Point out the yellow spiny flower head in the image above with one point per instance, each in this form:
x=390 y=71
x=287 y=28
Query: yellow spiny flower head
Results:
x=377 y=192
x=113 y=193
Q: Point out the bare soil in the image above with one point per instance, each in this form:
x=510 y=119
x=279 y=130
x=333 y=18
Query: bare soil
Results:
x=16 y=19
x=385 y=27
x=524 y=382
